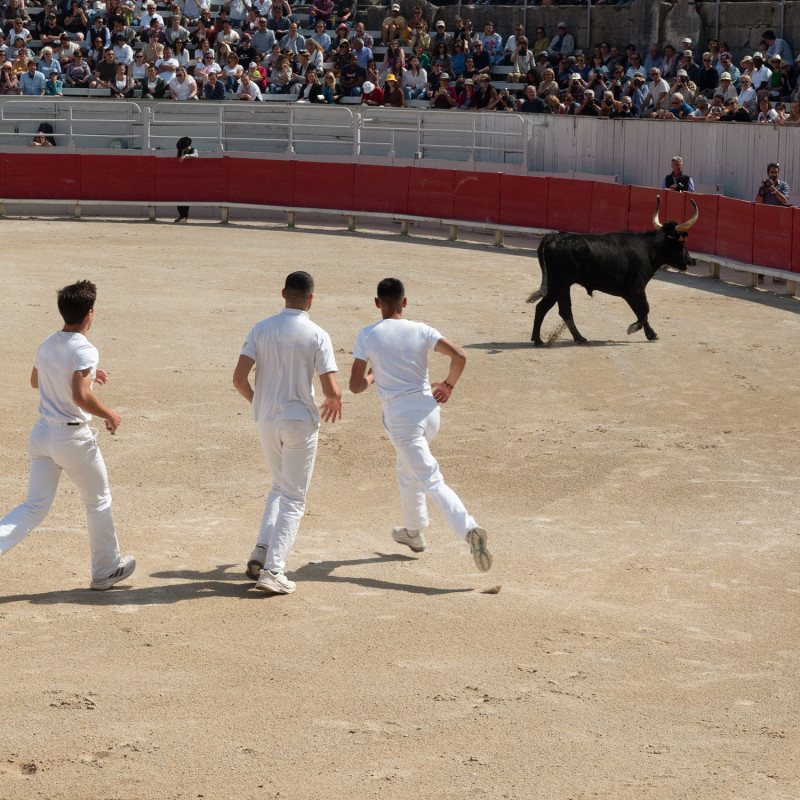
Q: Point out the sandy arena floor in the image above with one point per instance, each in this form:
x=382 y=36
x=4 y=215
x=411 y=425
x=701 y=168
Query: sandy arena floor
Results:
x=641 y=500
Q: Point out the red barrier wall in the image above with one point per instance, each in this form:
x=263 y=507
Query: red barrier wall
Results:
x=772 y=236
x=763 y=235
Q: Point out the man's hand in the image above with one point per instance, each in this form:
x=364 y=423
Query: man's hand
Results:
x=441 y=392
x=113 y=421
x=331 y=410
x=101 y=377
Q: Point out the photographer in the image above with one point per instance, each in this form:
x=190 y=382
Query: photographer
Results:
x=677 y=180
x=504 y=102
x=626 y=110
x=607 y=105
x=773 y=192
x=685 y=86
x=637 y=91
x=588 y=106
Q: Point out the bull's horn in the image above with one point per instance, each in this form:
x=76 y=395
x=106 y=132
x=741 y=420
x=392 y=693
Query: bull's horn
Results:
x=656 y=224
x=684 y=226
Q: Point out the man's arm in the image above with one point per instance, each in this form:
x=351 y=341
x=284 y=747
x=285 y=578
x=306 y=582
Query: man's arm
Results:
x=360 y=378
x=241 y=377
x=458 y=360
x=88 y=401
x=331 y=408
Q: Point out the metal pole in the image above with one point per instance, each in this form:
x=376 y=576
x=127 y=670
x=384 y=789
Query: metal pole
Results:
x=525 y=18
x=783 y=15
x=588 y=28
x=716 y=25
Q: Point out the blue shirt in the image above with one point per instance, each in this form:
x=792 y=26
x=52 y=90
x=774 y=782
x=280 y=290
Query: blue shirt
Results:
x=46 y=70
x=32 y=85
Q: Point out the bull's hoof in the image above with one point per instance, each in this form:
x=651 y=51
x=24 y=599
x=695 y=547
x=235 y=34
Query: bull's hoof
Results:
x=633 y=327
x=652 y=337
x=537 y=342
x=581 y=340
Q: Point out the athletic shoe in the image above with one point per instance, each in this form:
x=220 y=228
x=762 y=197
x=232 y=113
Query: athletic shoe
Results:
x=476 y=538
x=277 y=584
x=124 y=570
x=416 y=541
x=256 y=563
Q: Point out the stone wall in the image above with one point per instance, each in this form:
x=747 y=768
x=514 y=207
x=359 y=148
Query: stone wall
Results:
x=740 y=23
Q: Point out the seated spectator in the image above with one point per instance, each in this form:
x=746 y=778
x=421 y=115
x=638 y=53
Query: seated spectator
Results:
x=684 y=86
x=206 y=66
x=616 y=83
x=237 y=9
x=371 y=95
x=588 y=106
x=293 y=40
x=277 y=23
x=708 y=77
x=486 y=94
x=505 y=102
x=78 y=75
x=634 y=66
x=766 y=114
x=352 y=77
x=686 y=63
x=657 y=94
x=360 y=32
x=373 y=75
x=22 y=54
x=105 y=70
x=548 y=86
x=637 y=91
x=40 y=140
x=441 y=55
x=175 y=30
x=247 y=53
x=200 y=35
x=523 y=65
x=76 y=23
x=726 y=90
x=248 y=90
x=229 y=36
x=191 y=10
x=281 y=76
x=53 y=85
x=149 y=16
x=554 y=105
x=457 y=57
x=671 y=62
x=419 y=51
x=510 y=47
x=433 y=80
x=747 y=96
x=679 y=108
x=654 y=58
x=250 y=25
x=213 y=88
x=272 y=59
x=32 y=82
x=445 y=96
x=121 y=85
x=482 y=61
x=734 y=113
x=563 y=43
x=419 y=37
x=626 y=110
x=311 y=91
x=531 y=103
x=182 y=86
x=726 y=65
x=320 y=11
x=330 y=91
x=703 y=107
x=780 y=110
x=9 y=82
x=232 y=72
x=395 y=19
x=576 y=88
x=152 y=51
x=299 y=72
x=777 y=47
x=760 y=73
x=258 y=75
x=95 y=54
x=467 y=100
x=541 y=43
x=137 y=71
x=393 y=96
x=49 y=64
x=321 y=38
x=465 y=31
x=364 y=53
x=51 y=32
x=167 y=64
x=581 y=67
x=415 y=80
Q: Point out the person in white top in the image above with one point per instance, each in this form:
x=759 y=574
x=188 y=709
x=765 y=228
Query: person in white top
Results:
x=64 y=371
x=286 y=350
x=398 y=351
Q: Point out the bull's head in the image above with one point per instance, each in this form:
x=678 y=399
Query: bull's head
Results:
x=675 y=238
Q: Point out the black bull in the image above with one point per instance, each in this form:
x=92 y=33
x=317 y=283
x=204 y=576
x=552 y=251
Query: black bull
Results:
x=619 y=264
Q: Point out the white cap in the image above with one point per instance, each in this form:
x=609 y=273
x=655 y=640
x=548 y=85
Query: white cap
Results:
x=368 y=87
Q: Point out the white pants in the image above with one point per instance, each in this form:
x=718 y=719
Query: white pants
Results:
x=411 y=428
x=53 y=447
x=290 y=447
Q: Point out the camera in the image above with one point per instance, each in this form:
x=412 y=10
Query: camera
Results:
x=768 y=183
x=609 y=102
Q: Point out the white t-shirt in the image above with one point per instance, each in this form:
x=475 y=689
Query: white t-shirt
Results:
x=398 y=350
x=58 y=358
x=288 y=349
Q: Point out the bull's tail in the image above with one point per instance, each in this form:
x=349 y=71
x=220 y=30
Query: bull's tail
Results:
x=542 y=290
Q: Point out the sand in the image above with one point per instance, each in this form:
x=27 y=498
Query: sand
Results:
x=641 y=500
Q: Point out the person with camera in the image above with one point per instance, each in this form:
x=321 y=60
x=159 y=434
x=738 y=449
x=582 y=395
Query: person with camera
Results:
x=773 y=191
x=626 y=110
x=677 y=180
x=588 y=106
x=685 y=86
x=637 y=91
x=607 y=104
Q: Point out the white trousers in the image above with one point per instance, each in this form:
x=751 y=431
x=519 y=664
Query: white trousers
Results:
x=290 y=447
x=53 y=447
x=411 y=429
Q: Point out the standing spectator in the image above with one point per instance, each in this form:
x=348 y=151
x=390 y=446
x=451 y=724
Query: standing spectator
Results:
x=286 y=349
x=773 y=191
x=777 y=47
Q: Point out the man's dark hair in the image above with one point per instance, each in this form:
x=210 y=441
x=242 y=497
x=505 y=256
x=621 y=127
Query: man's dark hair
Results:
x=76 y=301
x=773 y=164
x=299 y=287
x=391 y=290
x=768 y=35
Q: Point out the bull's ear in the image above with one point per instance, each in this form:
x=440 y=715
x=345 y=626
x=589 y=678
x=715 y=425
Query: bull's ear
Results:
x=656 y=224
x=684 y=226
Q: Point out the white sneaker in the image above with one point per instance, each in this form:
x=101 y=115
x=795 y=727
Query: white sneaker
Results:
x=256 y=563
x=124 y=569
x=413 y=539
x=277 y=584
x=476 y=538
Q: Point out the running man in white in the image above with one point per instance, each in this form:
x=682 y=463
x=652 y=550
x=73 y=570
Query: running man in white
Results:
x=398 y=351
x=286 y=350
x=61 y=439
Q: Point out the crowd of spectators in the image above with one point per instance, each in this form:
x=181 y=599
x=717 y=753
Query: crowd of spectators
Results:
x=181 y=51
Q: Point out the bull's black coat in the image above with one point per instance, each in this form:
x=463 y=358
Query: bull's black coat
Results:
x=619 y=264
